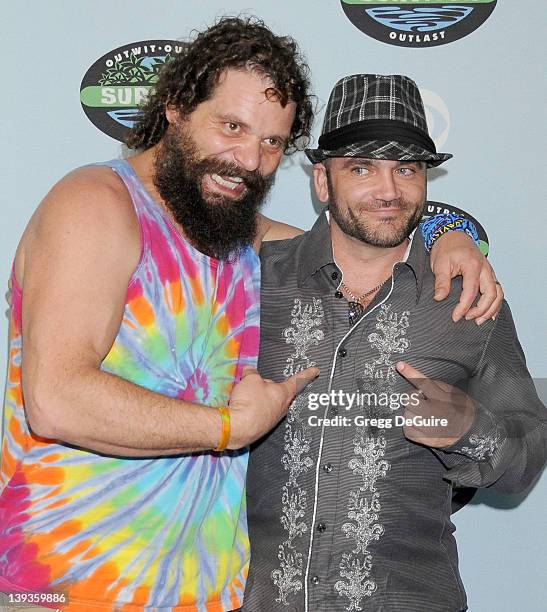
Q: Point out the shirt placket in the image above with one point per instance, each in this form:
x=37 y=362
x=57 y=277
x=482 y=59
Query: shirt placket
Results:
x=335 y=448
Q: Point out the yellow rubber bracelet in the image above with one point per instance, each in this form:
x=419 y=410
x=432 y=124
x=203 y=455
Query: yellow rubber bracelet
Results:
x=225 y=431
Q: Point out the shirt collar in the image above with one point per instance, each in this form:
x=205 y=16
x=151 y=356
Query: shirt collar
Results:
x=316 y=249
x=317 y=253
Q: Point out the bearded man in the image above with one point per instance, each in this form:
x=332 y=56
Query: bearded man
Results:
x=134 y=325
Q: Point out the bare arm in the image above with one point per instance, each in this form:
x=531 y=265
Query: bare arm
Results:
x=268 y=229
x=74 y=264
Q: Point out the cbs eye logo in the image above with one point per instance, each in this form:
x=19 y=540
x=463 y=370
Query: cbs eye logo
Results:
x=411 y=23
x=437 y=117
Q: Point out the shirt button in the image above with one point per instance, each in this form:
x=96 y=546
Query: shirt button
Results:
x=338 y=294
x=315 y=579
x=321 y=527
x=334 y=275
x=342 y=352
x=327 y=467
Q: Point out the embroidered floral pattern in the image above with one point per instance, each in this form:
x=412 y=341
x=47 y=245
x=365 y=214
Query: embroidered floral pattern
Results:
x=363 y=514
x=296 y=460
x=368 y=464
x=357 y=585
x=484 y=446
x=304 y=319
x=379 y=375
x=363 y=526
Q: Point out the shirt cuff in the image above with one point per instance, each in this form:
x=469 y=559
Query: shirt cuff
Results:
x=483 y=440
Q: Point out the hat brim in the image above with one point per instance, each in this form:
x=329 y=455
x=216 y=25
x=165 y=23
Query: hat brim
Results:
x=381 y=149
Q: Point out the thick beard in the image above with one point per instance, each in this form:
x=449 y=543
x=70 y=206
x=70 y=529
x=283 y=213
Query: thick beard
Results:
x=217 y=226
x=385 y=237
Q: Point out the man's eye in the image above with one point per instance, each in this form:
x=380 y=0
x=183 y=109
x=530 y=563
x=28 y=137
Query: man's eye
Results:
x=232 y=127
x=359 y=170
x=273 y=142
x=406 y=171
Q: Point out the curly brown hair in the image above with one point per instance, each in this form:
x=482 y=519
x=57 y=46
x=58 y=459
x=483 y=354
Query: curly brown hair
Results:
x=232 y=42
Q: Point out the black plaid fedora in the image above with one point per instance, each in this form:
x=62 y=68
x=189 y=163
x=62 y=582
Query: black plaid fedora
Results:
x=378 y=117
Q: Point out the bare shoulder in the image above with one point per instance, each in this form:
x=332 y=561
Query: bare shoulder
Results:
x=87 y=203
x=275 y=230
x=94 y=196
x=93 y=188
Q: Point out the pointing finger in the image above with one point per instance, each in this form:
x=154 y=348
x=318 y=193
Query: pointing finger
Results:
x=417 y=379
x=297 y=382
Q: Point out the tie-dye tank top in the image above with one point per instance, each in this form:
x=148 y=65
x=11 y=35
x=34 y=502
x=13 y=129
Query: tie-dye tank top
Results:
x=133 y=534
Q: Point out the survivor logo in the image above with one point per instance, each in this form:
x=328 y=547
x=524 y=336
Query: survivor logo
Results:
x=118 y=82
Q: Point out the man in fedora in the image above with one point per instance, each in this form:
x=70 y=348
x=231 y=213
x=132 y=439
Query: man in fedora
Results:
x=349 y=498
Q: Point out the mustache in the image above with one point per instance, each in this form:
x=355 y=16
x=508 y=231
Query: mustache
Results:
x=252 y=179
x=399 y=203
x=217 y=226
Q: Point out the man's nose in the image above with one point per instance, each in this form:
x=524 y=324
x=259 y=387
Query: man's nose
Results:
x=248 y=154
x=386 y=187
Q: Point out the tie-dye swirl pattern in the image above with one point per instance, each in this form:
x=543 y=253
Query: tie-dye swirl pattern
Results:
x=130 y=534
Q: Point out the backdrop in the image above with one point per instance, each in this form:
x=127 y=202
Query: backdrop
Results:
x=485 y=91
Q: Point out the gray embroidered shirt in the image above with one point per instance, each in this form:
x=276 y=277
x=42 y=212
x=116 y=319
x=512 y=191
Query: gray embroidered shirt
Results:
x=347 y=514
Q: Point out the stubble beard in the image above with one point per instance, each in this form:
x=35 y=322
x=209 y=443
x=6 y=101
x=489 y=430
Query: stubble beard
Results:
x=384 y=233
x=216 y=225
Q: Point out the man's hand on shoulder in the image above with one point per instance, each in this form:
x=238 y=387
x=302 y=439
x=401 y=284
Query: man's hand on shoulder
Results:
x=455 y=254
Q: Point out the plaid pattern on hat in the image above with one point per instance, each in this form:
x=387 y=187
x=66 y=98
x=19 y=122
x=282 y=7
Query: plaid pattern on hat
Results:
x=366 y=100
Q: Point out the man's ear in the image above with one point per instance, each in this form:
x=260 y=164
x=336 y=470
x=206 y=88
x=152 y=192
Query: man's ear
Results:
x=320 y=182
x=172 y=114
